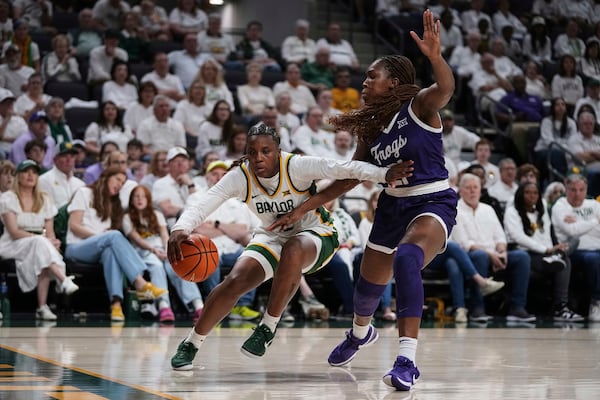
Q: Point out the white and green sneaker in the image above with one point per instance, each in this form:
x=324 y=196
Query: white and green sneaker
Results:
x=184 y=356
x=256 y=345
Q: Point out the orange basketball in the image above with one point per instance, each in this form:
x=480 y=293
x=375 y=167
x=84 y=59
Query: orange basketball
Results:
x=200 y=259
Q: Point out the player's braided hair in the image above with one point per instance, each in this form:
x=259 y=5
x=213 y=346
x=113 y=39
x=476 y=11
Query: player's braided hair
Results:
x=367 y=121
x=259 y=129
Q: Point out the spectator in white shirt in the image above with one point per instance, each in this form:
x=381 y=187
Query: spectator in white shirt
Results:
x=167 y=83
x=170 y=192
x=120 y=89
x=299 y=48
x=187 y=17
x=341 y=52
x=505 y=188
x=142 y=109
x=471 y=17
x=450 y=34
x=253 y=96
x=285 y=117
x=569 y=42
x=586 y=147
x=161 y=132
x=13 y=74
x=102 y=57
x=192 y=112
x=455 y=138
x=186 y=63
x=504 y=17
x=59 y=182
x=300 y=94
x=575 y=217
x=108 y=128
x=108 y=14
x=212 y=76
x=214 y=42
x=59 y=65
x=464 y=60
x=11 y=125
x=33 y=99
x=311 y=139
x=537 y=45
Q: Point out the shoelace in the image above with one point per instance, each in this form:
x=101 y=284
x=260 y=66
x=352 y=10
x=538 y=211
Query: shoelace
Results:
x=262 y=329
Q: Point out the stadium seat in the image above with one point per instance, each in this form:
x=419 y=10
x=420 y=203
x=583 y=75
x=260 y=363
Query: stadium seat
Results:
x=78 y=119
x=67 y=90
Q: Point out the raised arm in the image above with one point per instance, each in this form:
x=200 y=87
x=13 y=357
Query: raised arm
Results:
x=429 y=100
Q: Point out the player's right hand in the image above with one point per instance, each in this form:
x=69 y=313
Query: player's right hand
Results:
x=174 y=245
x=398 y=171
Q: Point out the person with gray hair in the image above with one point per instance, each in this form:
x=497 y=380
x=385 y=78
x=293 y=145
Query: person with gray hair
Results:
x=586 y=147
x=299 y=48
x=161 y=132
x=479 y=232
x=576 y=218
x=504 y=189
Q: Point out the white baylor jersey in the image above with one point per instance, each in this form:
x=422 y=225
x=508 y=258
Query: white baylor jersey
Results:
x=269 y=198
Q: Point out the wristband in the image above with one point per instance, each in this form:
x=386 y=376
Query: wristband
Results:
x=217 y=224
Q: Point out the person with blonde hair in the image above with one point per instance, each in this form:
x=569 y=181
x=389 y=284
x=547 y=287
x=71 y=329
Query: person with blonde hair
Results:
x=28 y=217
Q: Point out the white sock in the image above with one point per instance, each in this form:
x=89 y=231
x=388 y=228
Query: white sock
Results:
x=270 y=321
x=197 y=304
x=359 y=331
x=162 y=303
x=196 y=339
x=408 y=347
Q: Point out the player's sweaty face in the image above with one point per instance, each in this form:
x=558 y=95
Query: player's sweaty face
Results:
x=263 y=154
x=376 y=83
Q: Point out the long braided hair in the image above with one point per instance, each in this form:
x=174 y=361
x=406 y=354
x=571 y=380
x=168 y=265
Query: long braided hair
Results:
x=370 y=119
x=528 y=226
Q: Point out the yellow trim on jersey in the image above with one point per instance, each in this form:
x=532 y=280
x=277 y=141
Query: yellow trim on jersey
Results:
x=289 y=179
x=248 y=185
x=262 y=188
x=272 y=253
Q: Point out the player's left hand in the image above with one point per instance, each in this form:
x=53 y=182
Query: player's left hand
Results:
x=430 y=44
x=398 y=171
x=285 y=221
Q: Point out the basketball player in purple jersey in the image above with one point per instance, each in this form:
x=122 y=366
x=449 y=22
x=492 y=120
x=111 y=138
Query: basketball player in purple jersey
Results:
x=398 y=122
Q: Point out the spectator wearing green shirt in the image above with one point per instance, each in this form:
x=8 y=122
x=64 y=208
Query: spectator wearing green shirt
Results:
x=318 y=75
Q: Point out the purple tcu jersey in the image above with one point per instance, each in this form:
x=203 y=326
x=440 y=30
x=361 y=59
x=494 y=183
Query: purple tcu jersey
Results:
x=408 y=138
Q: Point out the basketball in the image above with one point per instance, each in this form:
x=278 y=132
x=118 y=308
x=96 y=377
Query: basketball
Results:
x=200 y=259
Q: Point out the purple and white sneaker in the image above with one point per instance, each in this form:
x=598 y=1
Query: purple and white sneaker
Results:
x=345 y=351
x=403 y=376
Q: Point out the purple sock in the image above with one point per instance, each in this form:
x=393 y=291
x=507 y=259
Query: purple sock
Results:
x=366 y=297
x=408 y=263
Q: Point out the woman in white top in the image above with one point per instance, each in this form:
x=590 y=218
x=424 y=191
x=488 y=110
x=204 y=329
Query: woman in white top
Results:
x=141 y=109
x=95 y=217
x=527 y=224
x=192 y=112
x=589 y=64
x=537 y=45
x=535 y=83
x=557 y=127
x=59 y=65
x=253 y=96
x=567 y=83
x=109 y=128
x=215 y=131
x=34 y=99
x=28 y=217
x=187 y=18
x=211 y=75
x=119 y=89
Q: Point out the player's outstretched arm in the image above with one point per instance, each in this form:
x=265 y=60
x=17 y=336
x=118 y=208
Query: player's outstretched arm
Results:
x=435 y=97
